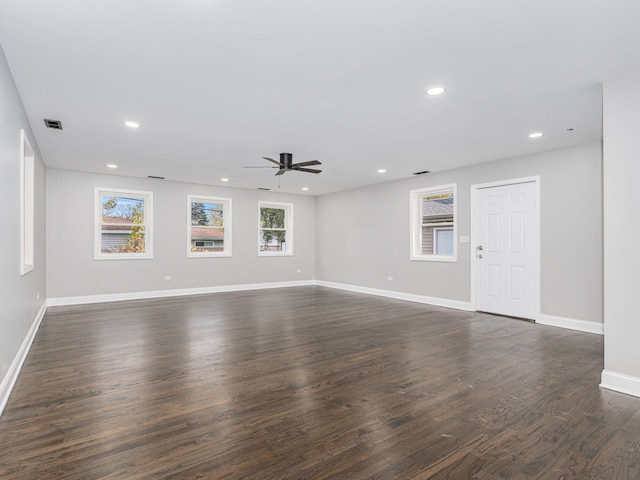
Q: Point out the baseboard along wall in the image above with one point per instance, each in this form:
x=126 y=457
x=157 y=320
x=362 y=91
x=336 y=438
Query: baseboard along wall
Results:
x=9 y=380
x=619 y=382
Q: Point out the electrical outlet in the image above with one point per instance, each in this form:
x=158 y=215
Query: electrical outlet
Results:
x=167 y=277
x=390 y=278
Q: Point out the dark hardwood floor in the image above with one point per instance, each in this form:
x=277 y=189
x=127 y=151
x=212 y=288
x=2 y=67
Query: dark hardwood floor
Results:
x=311 y=383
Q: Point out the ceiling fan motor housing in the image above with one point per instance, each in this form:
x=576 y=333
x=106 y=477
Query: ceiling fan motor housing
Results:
x=286 y=159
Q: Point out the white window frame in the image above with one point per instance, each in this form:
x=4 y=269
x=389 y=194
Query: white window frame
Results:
x=226 y=225
x=27 y=204
x=288 y=227
x=416 y=223
x=147 y=198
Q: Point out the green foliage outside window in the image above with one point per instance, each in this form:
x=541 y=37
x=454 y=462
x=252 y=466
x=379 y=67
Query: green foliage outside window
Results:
x=271 y=221
x=125 y=211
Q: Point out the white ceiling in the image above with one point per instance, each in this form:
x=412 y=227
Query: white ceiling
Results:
x=217 y=84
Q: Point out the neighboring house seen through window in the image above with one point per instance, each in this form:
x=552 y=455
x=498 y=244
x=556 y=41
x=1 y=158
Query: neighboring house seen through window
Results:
x=276 y=229
x=208 y=226
x=123 y=224
x=433 y=223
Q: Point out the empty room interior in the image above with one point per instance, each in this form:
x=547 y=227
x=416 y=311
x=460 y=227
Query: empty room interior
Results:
x=309 y=240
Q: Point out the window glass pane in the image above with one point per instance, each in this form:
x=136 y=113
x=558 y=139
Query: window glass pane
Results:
x=433 y=223
x=123 y=224
x=122 y=210
x=273 y=240
x=272 y=217
x=209 y=226
x=437 y=208
x=209 y=214
x=276 y=229
x=207 y=239
x=437 y=212
x=122 y=238
x=443 y=241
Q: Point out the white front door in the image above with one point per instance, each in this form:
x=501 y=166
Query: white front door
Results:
x=506 y=250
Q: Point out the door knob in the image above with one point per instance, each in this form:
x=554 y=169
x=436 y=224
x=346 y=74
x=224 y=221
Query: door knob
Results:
x=479 y=247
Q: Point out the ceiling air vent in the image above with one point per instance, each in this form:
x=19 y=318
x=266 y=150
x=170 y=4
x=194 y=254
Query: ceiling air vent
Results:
x=55 y=124
x=262 y=188
x=155 y=177
x=422 y=172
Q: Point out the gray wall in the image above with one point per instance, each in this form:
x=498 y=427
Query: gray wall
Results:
x=362 y=236
x=18 y=294
x=621 y=123
x=72 y=271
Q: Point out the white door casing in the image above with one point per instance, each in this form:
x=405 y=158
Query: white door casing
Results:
x=505 y=248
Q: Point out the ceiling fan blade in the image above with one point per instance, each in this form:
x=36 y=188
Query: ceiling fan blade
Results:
x=308 y=170
x=272 y=160
x=306 y=164
x=281 y=172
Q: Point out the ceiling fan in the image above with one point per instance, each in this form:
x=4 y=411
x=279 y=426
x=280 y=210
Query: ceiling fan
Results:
x=286 y=165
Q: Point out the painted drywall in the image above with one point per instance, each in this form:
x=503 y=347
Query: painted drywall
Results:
x=363 y=235
x=621 y=123
x=19 y=302
x=73 y=272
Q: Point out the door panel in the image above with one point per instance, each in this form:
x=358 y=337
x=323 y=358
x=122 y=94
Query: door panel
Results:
x=506 y=254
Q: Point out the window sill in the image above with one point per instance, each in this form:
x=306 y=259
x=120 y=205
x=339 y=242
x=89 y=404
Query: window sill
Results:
x=116 y=256
x=434 y=258
x=26 y=269
x=275 y=254
x=209 y=255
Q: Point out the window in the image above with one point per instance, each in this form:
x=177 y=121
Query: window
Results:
x=123 y=224
x=276 y=229
x=26 y=204
x=433 y=223
x=208 y=226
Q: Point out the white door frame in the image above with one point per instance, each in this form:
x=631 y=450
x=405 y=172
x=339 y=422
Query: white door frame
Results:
x=475 y=232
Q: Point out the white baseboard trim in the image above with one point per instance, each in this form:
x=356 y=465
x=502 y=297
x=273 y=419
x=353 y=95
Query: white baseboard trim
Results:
x=10 y=378
x=118 y=297
x=620 y=382
x=571 y=323
x=410 y=297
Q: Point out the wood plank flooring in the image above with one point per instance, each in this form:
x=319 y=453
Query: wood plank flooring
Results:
x=311 y=383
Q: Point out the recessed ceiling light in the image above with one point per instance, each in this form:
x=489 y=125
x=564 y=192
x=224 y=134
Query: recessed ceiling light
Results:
x=535 y=135
x=435 y=91
x=382 y=170
x=112 y=165
x=224 y=179
x=305 y=188
x=131 y=124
